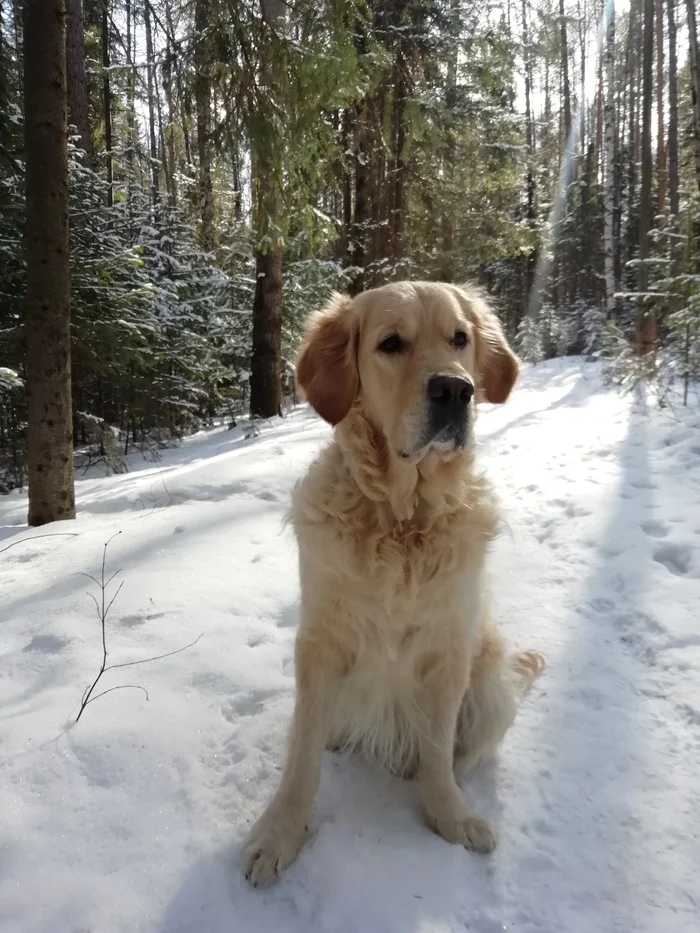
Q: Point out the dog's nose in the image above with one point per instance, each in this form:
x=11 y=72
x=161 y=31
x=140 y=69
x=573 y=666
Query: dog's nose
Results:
x=450 y=392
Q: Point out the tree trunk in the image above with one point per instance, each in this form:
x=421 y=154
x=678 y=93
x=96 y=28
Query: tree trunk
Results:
x=168 y=166
x=107 y=103
x=673 y=180
x=18 y=18
x=583 y=52
x=646 y=318
x=529 y=119
x=169 y=142
x=78 y=98
x=150 y=75
x=566 y=279
x=361 y=150
x=610 y=165
x=50 y=429
x=694 y=82
x=267 y=334
x=358 y=252
x=660 y=135
x=235 y=176
x=202 y=96
x=348 y=133
x=269 y=254
x=565 y=71
x=130 y=15
x=600 y=117
x=398 y=201
x=632 y=231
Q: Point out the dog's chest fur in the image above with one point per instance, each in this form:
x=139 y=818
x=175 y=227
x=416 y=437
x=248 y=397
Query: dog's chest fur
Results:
x=396 y=594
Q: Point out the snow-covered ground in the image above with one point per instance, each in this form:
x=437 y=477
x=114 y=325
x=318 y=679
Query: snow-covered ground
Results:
x=132 y=819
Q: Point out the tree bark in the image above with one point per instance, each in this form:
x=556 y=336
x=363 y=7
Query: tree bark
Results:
x=107 y=103
x=358 y=231
x=398 y=201
x=660 y=134
x=78 y=98
x=694 y=61
x=267 y=334
x=646 y=318
x=269 y=253
x=529 y=121
x=202 y=96
x=169 y=133
x=583 y=49
x=609 y=211
x=130 y=16
x=348 y=133
x=631 y=180
x=446 y=269
x=18 y=20
x=566 y=278
x=565 y=71
x=50 y=429
x=151 y=80
x=673 y=179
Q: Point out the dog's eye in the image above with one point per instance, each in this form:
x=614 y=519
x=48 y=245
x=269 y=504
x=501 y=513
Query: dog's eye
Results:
x=392 y=344
x=460 y=338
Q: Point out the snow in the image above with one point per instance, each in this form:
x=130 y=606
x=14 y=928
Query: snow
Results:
x=132 y=819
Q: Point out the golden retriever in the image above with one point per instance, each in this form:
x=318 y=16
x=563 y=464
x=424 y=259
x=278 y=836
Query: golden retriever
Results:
x=396 y=654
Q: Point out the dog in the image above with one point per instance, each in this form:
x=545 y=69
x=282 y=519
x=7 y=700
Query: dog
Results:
x=397 y=655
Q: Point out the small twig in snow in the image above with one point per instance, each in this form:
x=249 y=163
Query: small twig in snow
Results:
x=158 y=657
x=120 y=687
x=57 y=534
x=102 y=615
x=102 y=609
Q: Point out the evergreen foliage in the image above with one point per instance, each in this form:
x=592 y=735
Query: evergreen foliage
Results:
x=366 y=141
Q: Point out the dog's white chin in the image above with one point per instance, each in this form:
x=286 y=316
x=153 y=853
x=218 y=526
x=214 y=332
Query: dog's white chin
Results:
x=439 y=449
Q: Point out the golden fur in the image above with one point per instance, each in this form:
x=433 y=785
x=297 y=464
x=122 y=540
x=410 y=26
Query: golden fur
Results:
x=396 y=655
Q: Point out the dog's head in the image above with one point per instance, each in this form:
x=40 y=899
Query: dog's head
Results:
x=416 y=356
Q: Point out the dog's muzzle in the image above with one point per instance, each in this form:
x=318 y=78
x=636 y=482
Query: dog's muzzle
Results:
x=448 y=399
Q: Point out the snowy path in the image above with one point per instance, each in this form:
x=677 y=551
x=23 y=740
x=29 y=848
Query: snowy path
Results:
x=132 y=820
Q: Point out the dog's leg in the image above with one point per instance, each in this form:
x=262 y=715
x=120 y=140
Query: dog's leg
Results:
x=498 y=682
x=276 y=838
x=446 y=810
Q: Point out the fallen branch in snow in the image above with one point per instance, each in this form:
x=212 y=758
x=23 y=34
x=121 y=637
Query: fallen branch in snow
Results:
x=102 y=612
x=57 y=534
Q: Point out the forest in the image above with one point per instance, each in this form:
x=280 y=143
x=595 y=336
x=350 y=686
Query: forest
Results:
x=182 y=182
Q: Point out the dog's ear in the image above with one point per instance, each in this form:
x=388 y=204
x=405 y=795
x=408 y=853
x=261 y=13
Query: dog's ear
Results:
x=498 y=365
x=326 y=368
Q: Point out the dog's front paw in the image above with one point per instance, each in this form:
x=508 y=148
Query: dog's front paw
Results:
x=271 y=847
x=471 y=832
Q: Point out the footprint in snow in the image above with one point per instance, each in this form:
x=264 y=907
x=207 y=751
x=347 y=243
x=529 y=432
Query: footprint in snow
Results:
x=574 y=510
x=642 y=483
x=267 y=496
x=25 y=557
x=48 y=644
x=677 y=437
x=690 y=713
x=676 y=558
x=654 y=529
x=642 y=634
x=247 y=704
x=136 y=618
